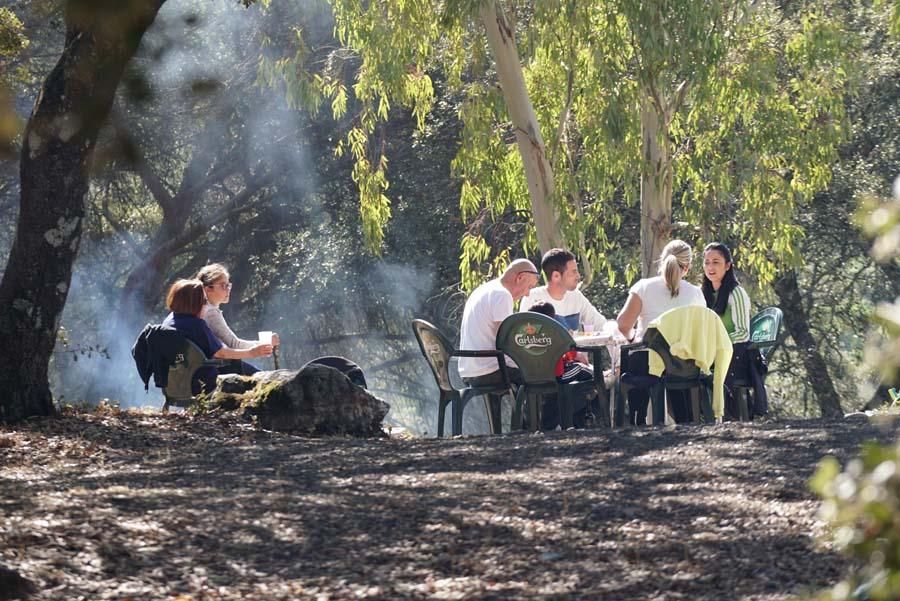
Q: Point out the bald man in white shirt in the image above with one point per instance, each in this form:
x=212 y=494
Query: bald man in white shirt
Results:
x=486 y=308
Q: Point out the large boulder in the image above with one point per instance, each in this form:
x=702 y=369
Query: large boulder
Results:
x=314 y=400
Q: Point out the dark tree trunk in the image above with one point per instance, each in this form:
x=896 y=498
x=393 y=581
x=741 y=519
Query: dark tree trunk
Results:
x=58 y=144
x=797 y=322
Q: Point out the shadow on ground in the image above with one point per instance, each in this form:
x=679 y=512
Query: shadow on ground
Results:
x=149 y=507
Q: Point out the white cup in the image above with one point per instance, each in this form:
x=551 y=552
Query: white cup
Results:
x=588 y=328
x=265 y=338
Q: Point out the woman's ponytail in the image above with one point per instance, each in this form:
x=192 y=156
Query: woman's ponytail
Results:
x=674 y=259
x=672 y=273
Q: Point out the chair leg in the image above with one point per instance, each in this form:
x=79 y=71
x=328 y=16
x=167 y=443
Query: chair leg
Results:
x=493 y=407
x=518 y=401
x=706 y=395
x=440 y=424
x=695 y=405
x=534 y=410
x=658 y=402
x=747 y=406
x=623 y=405
x=743 y=399
x=456 y=414
x=443 y=401
x=605 y=406
x=564 y=403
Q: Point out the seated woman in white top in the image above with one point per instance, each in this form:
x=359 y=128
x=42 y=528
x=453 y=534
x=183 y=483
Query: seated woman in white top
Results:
x=648 y=299
x=651 y=297
x=217 y=285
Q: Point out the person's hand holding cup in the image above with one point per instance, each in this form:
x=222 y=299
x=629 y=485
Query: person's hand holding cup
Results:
x=264 y=348
x=261 y=350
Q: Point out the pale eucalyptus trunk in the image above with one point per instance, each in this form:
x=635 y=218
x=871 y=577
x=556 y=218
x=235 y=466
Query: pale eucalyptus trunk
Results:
x=656 y=184
x=502 y=40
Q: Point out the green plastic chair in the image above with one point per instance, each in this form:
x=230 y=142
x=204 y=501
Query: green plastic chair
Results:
x=765 y=336
x=536 y=343
x=680 y=374
x=181 y=373
x=628 y=380
x=438 y=350
x=765 y=329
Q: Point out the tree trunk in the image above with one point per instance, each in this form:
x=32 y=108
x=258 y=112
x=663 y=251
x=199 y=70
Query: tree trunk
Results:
x=58 y=144
x=502 y=40
x=797 y=324
x=656 y=184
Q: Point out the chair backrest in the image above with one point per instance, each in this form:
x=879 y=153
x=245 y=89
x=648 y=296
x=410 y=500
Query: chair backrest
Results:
x=436 y=349
x=765 y=327
x=536 y=343
x=187 y=361
x=697 y=327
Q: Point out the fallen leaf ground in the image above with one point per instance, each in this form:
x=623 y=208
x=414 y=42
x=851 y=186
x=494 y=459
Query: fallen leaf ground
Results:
x=123 y=505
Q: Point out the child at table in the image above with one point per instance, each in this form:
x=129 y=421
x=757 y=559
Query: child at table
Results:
x=570 y=368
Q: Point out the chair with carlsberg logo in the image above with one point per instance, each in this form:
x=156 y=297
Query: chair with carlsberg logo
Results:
x=438 y=350
x=536 y=343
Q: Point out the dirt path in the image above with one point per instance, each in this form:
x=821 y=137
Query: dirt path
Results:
x=130 y=506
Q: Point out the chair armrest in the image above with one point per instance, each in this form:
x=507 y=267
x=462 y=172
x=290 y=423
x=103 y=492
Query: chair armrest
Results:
x=215 y=363
x=462 y=353
x=634 y=346
x=595 y=352
x=762 y=344
x=497 y=354
x=596 y=360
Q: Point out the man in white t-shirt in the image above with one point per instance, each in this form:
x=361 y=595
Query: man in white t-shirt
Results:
x=486 y=308
x=573 y=309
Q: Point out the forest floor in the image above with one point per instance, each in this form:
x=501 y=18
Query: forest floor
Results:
x=125 y=505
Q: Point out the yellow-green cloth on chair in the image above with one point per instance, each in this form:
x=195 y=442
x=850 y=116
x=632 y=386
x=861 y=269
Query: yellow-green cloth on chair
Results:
x=696 y=333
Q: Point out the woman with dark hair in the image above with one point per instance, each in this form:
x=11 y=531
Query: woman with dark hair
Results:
x=723 y=293
x=727 y=297
x=186 y=301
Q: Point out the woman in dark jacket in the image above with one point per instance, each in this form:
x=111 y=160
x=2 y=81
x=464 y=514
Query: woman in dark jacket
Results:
x=186 y=300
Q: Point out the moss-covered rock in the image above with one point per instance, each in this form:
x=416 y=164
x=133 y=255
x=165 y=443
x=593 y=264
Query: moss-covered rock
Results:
x=314 y=400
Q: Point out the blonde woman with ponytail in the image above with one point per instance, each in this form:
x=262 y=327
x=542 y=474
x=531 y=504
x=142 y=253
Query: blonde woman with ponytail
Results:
x=651 y=297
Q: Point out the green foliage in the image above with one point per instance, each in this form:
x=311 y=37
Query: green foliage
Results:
x=401 y=38
x=12 y=43
x=12 y=38
x=862 y=508
x=881 y=220
x=752 y=102
x=895 y=15
x=764 y=135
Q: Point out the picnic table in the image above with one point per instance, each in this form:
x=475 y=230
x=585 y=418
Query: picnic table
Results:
x=609 y=339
